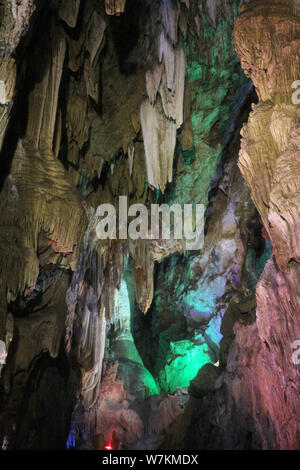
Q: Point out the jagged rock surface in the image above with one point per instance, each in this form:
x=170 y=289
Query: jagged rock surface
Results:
x=260 y=383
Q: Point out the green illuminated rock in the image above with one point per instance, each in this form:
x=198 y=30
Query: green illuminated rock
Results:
x=182 y=362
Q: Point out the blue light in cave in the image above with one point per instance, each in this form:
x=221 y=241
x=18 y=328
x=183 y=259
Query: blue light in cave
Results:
x=200 y=303
x=213 y=329
x=71 y=439
x=76 y=434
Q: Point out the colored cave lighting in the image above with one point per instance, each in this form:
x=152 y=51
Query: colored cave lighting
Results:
x=183 y=360
x=3 y=353
x=71 y=442
x=108 y=447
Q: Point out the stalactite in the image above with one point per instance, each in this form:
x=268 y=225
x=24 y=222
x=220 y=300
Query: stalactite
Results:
x=77 y=122
x=153 y=79
x=167 y=55
x=159 y=140
x=270 y=138
x=15 y=20
x=170 y=16
x=68 y=12
x=42 y=195
x=90 y=295
x=173 y=101
x=115 y=7
x=99 y=104
x=167 y=78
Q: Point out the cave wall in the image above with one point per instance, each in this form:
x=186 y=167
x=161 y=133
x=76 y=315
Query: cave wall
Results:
x=254 y=402
x=77 y=100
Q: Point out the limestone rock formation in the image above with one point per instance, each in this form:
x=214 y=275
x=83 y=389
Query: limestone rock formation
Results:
x=275 y=154
x=260 y=383
x=270 y=138
x=115 y=7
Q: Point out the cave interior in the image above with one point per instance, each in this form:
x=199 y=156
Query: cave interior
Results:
x=147 y=342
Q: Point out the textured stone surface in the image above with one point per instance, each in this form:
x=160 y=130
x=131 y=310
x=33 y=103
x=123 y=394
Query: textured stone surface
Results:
x=260 y=383
x=268 y=55
x=276 y=122
x=146 y=99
